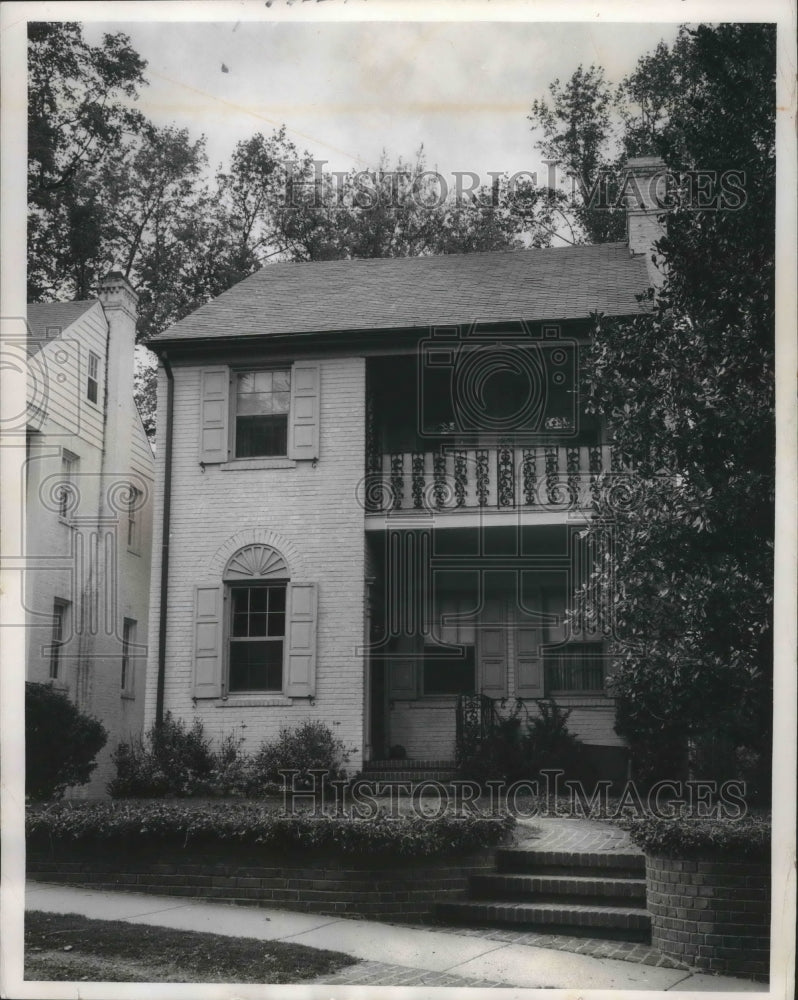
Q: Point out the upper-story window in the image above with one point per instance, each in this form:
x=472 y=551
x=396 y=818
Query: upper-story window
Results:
x=263 y=399
x=93 y=380
x=265 y=416
x=67 y=493
x=133 y=507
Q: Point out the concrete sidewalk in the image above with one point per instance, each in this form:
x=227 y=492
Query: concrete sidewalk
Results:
x=390 y=954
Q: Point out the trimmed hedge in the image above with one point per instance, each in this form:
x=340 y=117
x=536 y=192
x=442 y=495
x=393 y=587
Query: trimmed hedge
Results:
x=748 y=837
x=127 y=824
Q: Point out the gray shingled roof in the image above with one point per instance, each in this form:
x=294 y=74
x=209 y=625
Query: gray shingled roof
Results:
x=52 y=315
x=391 y=293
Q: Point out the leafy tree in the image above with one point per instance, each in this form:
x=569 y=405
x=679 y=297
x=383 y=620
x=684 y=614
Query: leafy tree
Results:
x=78 y=97
x=61 y=743
x=576 y=123
x=688 y=394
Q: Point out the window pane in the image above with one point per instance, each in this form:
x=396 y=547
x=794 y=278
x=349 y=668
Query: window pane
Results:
x=263 y=381
x=258 y=598
x=256 y=666
x=257 y=624
x=277 y=623
x=246 y=382
x=261 y=436
x=240 y=625
x=277 y=599
x=254 y=403
x=282 y=381
x=240 y=597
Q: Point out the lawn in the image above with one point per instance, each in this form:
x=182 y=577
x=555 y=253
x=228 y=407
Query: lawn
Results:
x=73 y=948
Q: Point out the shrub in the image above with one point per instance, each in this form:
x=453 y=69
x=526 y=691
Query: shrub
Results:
x=748 y=837
x=126 y=825
x=549 y=744
x=175 y=760
x=509 y=753
x=311 y=746
x=61 y=743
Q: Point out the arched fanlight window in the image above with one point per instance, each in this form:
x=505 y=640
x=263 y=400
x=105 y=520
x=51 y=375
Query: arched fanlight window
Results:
x=256 y=562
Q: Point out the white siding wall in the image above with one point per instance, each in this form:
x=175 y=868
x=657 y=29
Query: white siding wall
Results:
x=91 y=660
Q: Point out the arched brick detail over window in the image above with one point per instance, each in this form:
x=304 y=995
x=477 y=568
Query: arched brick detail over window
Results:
x=294 y=560
x=260 y=562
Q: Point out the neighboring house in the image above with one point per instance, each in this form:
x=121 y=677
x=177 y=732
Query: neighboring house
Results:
x=372 y=485
x=88 y=525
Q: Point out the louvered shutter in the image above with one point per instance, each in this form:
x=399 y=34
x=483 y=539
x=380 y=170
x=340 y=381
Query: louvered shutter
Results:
x=492 y=662
x=529 y=664
x=401 y=679
x=207 y=642
x=214 y=414
x=300 y=640
x=303 y=430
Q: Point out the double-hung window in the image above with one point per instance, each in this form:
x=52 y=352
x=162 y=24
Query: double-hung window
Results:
x=66 y=493
x=267 y=414
x=127 y=679
x=262 y=403
x=58 y=637
x=93 y=380
x=133 y=505
x=257 y=633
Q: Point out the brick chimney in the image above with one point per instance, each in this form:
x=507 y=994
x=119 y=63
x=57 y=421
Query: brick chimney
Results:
x=119 y=301
x=645 y=197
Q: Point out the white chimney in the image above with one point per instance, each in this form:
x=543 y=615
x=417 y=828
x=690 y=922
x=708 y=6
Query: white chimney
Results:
x=645 y=196
x=119 y=301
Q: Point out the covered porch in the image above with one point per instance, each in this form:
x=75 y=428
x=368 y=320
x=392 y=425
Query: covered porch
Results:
x=470 y=624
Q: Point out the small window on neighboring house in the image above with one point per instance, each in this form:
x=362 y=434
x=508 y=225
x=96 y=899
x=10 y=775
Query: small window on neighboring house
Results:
x=92 y=385
x=58 y=638
x=128 y=680
x=262 y=403
x=133 y=506
x=67 y=494
x=257 y=632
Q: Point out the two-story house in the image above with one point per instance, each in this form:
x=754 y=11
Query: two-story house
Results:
x=371 y=491
x=88 y=512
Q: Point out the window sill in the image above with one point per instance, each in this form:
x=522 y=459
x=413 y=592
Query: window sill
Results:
x=246 y=464
x=254 y=701
x=127 y=696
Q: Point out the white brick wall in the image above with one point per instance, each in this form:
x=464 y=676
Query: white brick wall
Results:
x=317 y=524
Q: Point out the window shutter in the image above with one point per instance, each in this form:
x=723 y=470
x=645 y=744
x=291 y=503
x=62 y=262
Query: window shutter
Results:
x=214 y=410
x=303 y=430
x=492 y=662
x=300 y=640
x=207 y=642
x=529 y=675
x=401 y=679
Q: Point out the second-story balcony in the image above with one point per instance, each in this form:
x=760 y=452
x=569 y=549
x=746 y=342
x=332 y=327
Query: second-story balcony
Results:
x=553 y=478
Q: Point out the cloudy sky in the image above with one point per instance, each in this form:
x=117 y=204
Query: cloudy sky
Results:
x=346 y=91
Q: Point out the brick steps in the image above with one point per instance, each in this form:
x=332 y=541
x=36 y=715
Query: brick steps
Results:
x=559 y=892
x=597 y=864
x=629 y=923
x=413 y=771
x=414 y=777
x=612 y=891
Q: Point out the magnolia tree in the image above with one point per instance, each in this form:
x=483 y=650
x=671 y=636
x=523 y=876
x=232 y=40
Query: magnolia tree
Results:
x=688 y=395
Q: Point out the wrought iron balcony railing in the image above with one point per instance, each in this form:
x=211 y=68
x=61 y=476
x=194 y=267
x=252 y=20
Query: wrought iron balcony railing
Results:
x=546 y=477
